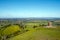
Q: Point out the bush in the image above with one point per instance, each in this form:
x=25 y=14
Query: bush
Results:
x=34 y=26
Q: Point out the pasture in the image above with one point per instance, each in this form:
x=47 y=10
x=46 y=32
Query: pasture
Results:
x=39 y=34
x=30 y=30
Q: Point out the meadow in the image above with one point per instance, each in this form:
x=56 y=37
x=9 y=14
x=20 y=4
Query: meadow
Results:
x=29 y=30
x=39 y=34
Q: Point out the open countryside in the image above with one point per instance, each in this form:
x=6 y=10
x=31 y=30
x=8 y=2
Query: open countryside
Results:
x=16 y=29
x=29 y=19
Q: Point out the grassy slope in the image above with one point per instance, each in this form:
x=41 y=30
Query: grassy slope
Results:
x=39 y=34
x=11 y=29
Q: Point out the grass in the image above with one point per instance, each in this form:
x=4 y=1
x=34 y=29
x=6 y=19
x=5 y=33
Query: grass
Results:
x=39 y=34
x=11 y=29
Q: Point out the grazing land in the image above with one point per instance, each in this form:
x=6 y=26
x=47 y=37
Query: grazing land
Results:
x=32 y=29
x=39 y=34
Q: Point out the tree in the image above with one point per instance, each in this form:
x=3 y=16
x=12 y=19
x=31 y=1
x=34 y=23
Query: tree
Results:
x=34 y=26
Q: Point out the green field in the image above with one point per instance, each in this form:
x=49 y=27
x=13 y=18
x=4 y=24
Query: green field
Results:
x=31 y=30
x=39 y=34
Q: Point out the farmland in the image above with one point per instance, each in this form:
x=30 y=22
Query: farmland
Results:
x=32 y=29
x=39 y=34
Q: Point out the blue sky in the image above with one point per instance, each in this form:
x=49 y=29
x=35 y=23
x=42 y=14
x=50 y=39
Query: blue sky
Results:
x=29 y=8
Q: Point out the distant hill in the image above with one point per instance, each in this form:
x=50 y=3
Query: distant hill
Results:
x=46 y=18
